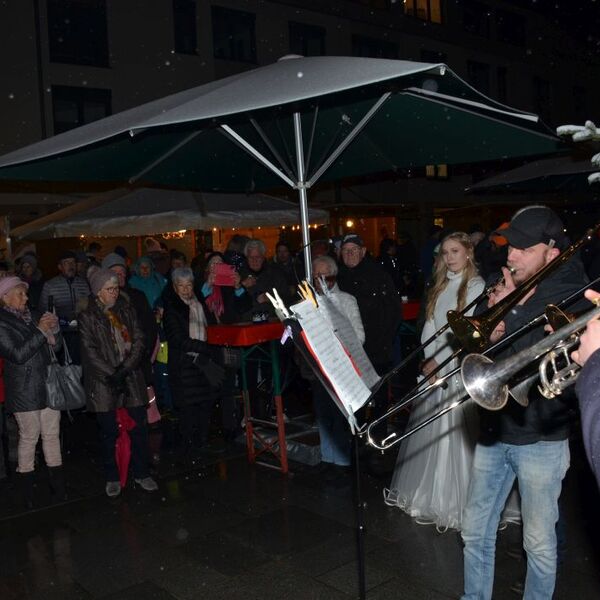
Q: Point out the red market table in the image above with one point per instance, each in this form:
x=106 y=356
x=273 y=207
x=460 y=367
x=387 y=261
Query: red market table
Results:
x=410 y=310
x=250 y=337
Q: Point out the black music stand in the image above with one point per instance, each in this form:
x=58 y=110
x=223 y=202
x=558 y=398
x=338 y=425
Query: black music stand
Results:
x=359 y=507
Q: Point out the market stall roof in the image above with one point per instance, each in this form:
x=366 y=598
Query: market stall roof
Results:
x=148 y=211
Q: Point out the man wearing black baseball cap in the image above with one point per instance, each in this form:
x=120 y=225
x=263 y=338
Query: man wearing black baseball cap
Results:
x=529 y=444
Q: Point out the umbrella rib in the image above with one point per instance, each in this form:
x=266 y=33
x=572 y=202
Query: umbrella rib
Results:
x=348 y=139
x=164 y=156
x=250 y=149
x=272 y=148
x=312 y=136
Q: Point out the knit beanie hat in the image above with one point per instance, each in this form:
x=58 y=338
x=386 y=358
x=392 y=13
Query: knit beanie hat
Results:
x=29 y=259
x=8 y=283
x=98 y=279
x=113 y=259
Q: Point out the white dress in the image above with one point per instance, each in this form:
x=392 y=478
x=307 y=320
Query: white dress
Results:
x=432 y=473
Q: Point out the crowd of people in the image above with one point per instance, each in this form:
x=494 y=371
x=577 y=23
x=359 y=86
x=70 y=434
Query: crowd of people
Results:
x=139 y=331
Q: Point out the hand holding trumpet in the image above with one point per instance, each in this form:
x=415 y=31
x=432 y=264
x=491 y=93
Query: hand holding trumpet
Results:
x=589 y=341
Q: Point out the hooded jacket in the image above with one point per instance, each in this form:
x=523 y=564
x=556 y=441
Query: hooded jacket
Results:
x=152 y=285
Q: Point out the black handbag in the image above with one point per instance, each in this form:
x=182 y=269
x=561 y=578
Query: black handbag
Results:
x=64 y=389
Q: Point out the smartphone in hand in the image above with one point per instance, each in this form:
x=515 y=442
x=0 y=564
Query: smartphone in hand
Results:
x=224 y=275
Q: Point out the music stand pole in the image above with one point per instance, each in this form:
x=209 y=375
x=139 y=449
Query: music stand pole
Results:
x=360 y=523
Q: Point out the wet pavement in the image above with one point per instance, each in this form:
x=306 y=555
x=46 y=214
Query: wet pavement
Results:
x=222 y=529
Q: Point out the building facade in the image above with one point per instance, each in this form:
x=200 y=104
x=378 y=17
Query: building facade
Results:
x=68 y=62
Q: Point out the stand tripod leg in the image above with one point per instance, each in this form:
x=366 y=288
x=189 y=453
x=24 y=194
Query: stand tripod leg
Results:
x=360 y=523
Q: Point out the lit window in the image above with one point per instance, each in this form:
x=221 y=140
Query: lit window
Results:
x=426 y=10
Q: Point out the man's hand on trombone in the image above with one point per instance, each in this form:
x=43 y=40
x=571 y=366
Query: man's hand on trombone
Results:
x=504 y=287
x=589 y=341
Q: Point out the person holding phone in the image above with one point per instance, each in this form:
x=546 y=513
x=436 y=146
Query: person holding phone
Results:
x=24 y=346
x=225 y=301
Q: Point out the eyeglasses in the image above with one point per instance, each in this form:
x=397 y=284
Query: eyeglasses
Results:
x=327 y=278
x=112 y=290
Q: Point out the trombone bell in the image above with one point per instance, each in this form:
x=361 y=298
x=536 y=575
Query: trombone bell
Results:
x=469 y=331
x=477 y=374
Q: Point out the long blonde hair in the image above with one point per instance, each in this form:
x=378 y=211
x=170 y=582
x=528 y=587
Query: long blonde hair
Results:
x=440 y=281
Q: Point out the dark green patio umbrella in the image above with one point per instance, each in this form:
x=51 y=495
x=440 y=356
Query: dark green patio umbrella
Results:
x=295 y=122
x=556 y=174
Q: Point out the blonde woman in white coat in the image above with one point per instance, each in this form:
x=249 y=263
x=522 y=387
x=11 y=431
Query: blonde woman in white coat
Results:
x=432 y=472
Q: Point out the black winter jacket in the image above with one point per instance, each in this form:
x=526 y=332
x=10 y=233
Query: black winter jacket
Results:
x=543 y=419
x=379 y=305
x=25 y=351
x=188 y=384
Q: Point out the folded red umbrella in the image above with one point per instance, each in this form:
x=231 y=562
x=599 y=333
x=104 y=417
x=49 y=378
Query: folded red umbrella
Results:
x=123 y=445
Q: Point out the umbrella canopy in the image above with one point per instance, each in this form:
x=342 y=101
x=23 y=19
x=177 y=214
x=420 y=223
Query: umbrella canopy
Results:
x=296 y=121
x=556 y=174
x=143 y=211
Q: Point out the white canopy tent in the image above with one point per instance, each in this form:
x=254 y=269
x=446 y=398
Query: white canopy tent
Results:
x=142 y=212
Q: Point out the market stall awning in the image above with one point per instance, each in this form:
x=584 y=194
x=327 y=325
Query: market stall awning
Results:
x=148 y=211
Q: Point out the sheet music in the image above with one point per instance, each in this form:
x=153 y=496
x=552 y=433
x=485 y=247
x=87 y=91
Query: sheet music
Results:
x=335 y=362
x=342 y=327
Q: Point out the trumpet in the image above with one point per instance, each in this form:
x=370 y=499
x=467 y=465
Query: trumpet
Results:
x=486 y=381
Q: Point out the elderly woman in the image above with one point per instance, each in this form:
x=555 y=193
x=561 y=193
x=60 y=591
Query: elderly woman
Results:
x=333 y=429
x=24 y=345
x=194 y=377
x=112 y=347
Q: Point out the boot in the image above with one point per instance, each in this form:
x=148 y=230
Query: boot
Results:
x=57 y=483
x=26 y=487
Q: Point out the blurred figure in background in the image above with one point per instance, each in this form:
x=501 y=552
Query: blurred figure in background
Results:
x=147 y=280
x=66 y=289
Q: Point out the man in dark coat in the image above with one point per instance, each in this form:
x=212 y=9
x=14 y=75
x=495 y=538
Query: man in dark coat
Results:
x=588 y=388
x=529 y=444
x=380 y=309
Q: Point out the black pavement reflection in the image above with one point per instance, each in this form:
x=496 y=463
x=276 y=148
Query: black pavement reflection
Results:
x=220 y=528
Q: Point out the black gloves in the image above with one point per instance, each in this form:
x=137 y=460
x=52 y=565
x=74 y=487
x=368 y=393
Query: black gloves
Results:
x=214 y=373
x=117 y=380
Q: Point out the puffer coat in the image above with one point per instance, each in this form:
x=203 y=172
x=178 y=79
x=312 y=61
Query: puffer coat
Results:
x=99 y=357
x=188 y=384
x=26 y=358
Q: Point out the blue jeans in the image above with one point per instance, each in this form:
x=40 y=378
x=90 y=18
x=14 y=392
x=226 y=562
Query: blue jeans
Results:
x=333 y=428
x=539 y=469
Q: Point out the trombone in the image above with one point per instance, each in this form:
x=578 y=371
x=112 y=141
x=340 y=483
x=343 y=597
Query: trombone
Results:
x=486 y=381
x=474 y=333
